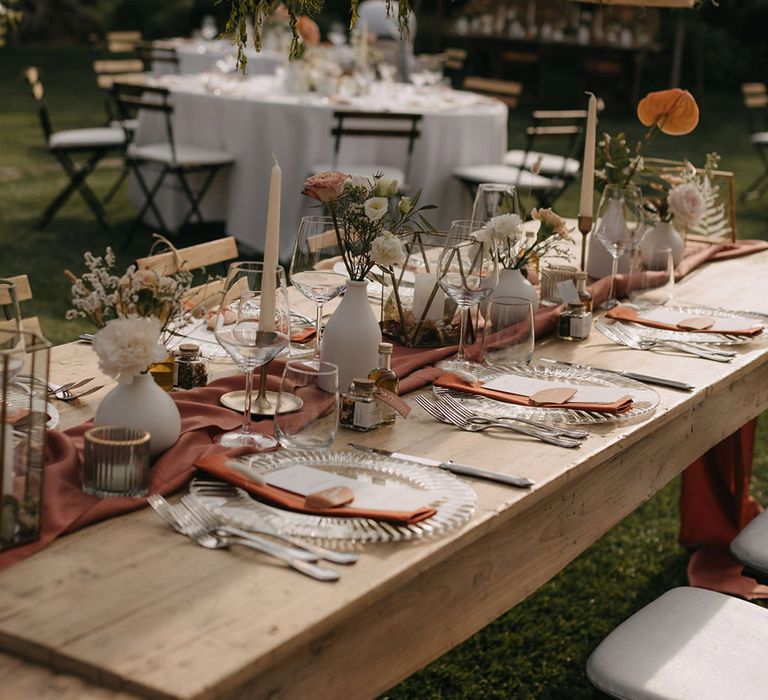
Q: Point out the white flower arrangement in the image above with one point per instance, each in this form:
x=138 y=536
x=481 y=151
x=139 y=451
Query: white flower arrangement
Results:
x=387 y=250
x=128 y=346
x=376 y=208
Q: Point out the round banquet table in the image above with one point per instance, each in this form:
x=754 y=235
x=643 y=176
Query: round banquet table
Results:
x=253 y=118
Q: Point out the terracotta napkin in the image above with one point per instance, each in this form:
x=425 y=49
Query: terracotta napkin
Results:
x=215 y=463
x=627 y=313
x=450 y=381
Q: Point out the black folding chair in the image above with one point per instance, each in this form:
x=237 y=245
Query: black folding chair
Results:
x=157 y=55
x=91 y=144
x=756 y=102
x=177 y=159
x=380 y=125
x=562 y=134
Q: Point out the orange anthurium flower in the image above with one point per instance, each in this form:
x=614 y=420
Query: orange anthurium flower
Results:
x=674 y=111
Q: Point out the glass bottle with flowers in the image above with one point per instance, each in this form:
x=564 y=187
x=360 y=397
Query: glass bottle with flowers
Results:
x=368 y=222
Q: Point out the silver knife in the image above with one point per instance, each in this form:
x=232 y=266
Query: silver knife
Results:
x=644 y=378
x=453 y=467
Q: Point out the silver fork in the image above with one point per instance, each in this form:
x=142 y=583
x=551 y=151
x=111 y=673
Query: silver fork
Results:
x=618 y=335
x=67 y=395
x=216 y=524
x=183 y=521
x=710 y=347
x=444 y=395
x=445 y=416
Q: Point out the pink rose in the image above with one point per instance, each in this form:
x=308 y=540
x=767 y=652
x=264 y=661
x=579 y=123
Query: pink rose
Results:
x=325 y=187
x=308 y=30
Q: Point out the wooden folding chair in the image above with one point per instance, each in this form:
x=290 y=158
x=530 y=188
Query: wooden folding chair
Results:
x=155 y=56
x=384 y=125
x=756 y=103
x=508 y=91
x=179 y=160
x=92 y=144
x=30 y=324
x=122 y=42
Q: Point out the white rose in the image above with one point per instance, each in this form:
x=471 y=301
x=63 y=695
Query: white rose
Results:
x=387 y=250
x=357 y=181
x=375 y=208
x=127 y=346
x=404 y=205
x=687 y=204
x=506 y=227
x=386 y=187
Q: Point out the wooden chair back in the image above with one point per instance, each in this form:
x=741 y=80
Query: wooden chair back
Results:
x=508 y=91
x=32 y=74
x=107 y=71
x=194 y=257
x=24 y=293
x=131 y=98
x=122 y=42
x=384 y=125
x=756 y=102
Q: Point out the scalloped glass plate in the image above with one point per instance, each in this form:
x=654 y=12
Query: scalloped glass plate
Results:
x=644 y=399
x=454 y=499
x=649 y=333
x=18 y=397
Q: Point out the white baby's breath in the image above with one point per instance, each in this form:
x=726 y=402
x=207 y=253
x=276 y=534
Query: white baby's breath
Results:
x=387 y=250
x=127 y=346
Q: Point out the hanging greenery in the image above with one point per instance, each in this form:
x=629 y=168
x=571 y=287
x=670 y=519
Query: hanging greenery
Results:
x=243 y=12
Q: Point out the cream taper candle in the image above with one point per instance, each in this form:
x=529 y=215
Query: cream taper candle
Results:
x=271 y=251
x=588 y=164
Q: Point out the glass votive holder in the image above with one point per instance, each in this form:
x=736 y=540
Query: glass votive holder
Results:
x=116 y=462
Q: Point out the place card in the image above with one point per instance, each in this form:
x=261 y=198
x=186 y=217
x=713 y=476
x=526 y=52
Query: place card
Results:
x=386 y=497
x=697 y=323
x=526 y=386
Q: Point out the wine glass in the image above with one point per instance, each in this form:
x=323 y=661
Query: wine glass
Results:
x=312 y=271
x=11 y=336
x=208 y=29
x=317 y=385
x=618 y=227
x=253 y=325
x=467 y=273
x=494 y=199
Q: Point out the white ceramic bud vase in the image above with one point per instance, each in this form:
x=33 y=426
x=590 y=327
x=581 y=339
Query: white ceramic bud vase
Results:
x=144 y=405
x=513 y=283
x=351 y=338
x=662 y=235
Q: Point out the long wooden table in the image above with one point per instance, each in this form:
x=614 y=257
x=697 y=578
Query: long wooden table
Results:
x=129 y=608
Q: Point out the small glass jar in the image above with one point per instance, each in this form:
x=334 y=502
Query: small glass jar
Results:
x=360 y=409
x=581 y=289
x=575 y=323
x=191 y=368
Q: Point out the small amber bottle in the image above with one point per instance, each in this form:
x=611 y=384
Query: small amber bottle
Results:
x=385 y=378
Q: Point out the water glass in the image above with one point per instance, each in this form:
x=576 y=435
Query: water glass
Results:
x=508 y=333
x=314 y=427
x=116 y=462
x=652 y=277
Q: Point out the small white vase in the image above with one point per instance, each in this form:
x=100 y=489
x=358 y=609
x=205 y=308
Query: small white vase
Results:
x=662 y=235
x=144 y=405
x=351 y=338
x=512 y=283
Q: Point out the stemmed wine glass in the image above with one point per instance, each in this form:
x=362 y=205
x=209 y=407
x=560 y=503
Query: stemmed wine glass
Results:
x=619 y=227
x=253 y=325
x=312 y=266
x=11 y=336
x=468 y=274
x=494 y=199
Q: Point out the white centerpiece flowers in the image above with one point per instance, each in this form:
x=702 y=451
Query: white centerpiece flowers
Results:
x=127 y=346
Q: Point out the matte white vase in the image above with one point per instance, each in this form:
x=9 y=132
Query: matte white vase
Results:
x=144 y=405
x=351 y=338
x=513 y=283
x=662 y=235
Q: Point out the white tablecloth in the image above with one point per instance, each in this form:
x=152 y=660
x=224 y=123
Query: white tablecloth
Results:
x=252 y=119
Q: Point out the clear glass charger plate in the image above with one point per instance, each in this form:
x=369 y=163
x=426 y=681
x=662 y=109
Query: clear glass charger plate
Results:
x=18 y=396
x=649 y=333
x=644 y=399
x=453 y=499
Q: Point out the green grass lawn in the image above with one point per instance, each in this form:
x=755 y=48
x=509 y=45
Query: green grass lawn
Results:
x=538 y=649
